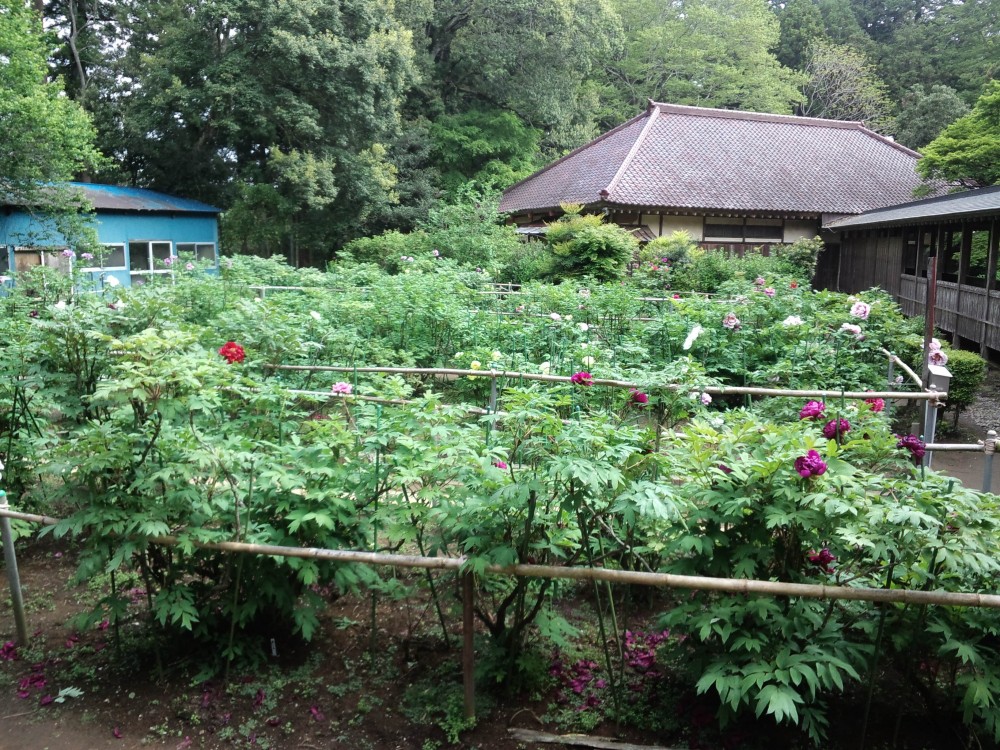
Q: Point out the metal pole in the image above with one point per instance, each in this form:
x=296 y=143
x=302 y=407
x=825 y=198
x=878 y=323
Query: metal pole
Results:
x=468 y=653
x=930 y=424
x=493 y=394
x=15 y=580
x=929 y=304
x=989 y=448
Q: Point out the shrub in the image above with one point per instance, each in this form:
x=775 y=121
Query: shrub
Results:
x=586 y=246
x=968 y=371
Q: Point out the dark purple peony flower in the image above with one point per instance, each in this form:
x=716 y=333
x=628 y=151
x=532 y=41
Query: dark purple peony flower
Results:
x=914 y=445
x=822 y=559
x=835 y=428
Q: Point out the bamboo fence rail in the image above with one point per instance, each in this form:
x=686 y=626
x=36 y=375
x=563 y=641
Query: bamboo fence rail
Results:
x=716 y=390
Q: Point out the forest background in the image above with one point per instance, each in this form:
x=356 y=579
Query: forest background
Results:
x=315 y=122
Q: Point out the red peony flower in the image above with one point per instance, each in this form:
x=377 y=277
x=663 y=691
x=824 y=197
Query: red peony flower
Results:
x=232 y=352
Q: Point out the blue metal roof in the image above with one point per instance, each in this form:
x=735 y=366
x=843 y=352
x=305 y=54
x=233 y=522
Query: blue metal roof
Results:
x=114 y=198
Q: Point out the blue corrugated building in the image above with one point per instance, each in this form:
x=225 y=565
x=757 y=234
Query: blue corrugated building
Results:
x=142 y=232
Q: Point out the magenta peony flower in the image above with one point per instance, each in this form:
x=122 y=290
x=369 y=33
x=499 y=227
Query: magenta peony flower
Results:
x=638 y=397
x=500 y=464
x=836 y=427
x=812 y=410
x=581 y=378
x=822 y=559
x=810 y=465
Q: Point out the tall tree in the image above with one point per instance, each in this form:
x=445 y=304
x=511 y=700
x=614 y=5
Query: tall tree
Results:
x=45 y=138
x=286 y=107
x=713 y=53
x=801 y=23
x=926 y=112
x=843 y=85
x=968 y=151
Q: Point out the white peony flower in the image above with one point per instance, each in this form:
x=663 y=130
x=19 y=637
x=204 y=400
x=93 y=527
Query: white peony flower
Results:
x=555 y=316
x=583 y=327
x=315 y=315
x=588 y=361
x=112 y=281
x=792 y=320
x=692 y=336
x=544 y=368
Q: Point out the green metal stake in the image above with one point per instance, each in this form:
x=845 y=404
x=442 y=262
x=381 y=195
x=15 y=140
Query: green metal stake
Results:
x=13 y=578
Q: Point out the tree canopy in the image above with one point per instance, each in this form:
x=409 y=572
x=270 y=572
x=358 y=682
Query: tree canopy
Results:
x=968 y=150
x=45 y=137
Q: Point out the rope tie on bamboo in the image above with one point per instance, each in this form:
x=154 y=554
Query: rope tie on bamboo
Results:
x=990 y=445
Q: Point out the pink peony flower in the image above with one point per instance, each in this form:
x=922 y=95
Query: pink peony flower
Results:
x=342 y=388
x=876 y=404
x=861 y=310
x=812 y=410
x=938 y=358
x=581 y=378
x=759 y=281
x=769 y=291
x=731 y=322
x=810 y=465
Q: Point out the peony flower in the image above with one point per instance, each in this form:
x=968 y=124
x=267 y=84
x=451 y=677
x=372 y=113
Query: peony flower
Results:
x=569 y=318
x=500 y=464
x=676 y=296
x=794 y=285
x=731 y=322
x=169 y=261
x=938 y=358
x=583 y=327
x=556 y=317
x=812 y=410
x=835 y=428
x=810 y=465
x=853 y=329
x=436 y=253
x=232 y=352
x=87 y=256
x=315 y=315
x=692 y=336
x=112 y=281
x=519 y=309
x=637 y=397
x=545 y=368
x=759 y=281
x=189 y=267
x=861 y=310
x=822 y=559
x=791 y=320
x=876 y=404
x=475 y=365
x=914 y=445
x=585 y=293
x=60 y=305
x=935 y=345
x=67 y=253
x=581 y=378
x=341 y=388
x=769 y=291
x=588 y=361
x=706 y=399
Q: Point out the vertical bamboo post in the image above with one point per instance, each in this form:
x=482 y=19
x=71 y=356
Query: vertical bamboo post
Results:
x=989 y=448
x=468 y=654
x=16 y=598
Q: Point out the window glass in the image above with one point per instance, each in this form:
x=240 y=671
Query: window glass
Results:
x=138 y=256
x=4 y=259
x=202 y=251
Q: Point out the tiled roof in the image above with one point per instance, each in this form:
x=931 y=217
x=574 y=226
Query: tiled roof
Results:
x=982 y=202
x=695 y=158
x=114 y=198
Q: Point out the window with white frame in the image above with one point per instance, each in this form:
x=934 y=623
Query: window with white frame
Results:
x=111 y=257
x=200 y=251
x=146 y=257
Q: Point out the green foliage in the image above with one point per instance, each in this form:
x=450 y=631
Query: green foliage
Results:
x=844 y=85
x=968 y=150
x=799 y=258
x=968 y=371
x=925 y=113
x=583 y=245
